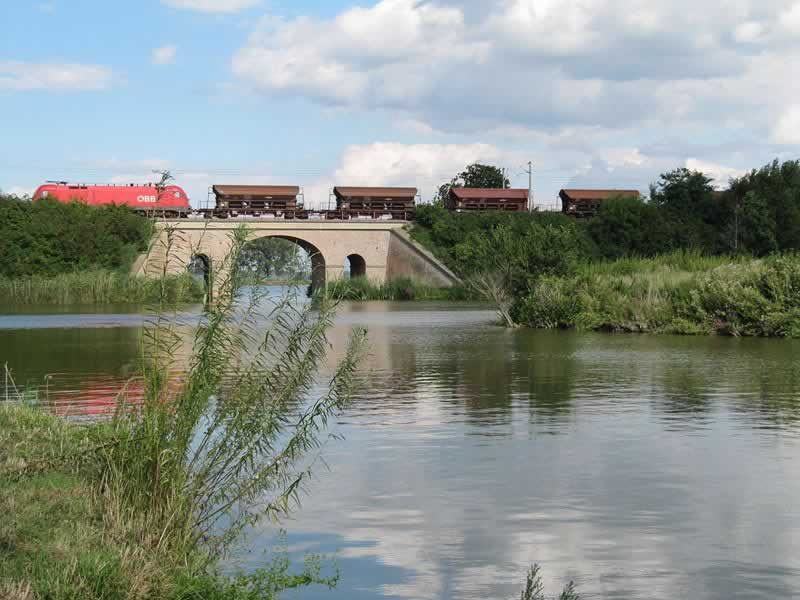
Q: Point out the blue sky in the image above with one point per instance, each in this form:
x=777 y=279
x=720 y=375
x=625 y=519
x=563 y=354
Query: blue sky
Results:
x=597 y=93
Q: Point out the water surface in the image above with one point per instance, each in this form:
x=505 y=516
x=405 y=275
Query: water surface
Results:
x=640 y=466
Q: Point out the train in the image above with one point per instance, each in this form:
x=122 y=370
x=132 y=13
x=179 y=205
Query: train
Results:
x=280 y=201
x=167 y=201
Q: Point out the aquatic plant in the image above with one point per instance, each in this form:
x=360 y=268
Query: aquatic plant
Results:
x=534 y=588
x=401 y=288
x=99 y=287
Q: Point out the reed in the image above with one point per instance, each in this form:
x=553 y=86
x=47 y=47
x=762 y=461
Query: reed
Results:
x=403 y=288
x=678 y=293
x=173 y=481
x=98 y=287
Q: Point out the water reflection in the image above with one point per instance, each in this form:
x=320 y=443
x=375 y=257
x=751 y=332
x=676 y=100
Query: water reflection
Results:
x=641 y=466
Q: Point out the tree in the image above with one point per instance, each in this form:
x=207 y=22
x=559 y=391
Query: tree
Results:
x=476 y=175
x=687 y=200
x=271 y=257
x=777 y=186
x=756 y=228
x=629 y=226
x=502 y=264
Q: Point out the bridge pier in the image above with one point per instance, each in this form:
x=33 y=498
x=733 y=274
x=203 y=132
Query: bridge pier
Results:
x=382 y=249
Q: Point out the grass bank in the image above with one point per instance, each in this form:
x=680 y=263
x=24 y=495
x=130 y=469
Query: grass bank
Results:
x=98 y=286
x=362 y=288
x=682 y=293
x=68 y=538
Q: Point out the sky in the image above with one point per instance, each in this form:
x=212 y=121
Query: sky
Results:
x=595 y=93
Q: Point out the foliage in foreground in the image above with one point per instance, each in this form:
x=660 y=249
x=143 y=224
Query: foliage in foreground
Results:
x=534 y=588
x=167 y=487
x=99 y=287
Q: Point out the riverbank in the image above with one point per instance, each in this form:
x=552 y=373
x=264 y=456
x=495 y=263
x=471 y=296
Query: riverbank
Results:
x=63 y=538
x=99 y=286
x=681 y=293
x=59 y=543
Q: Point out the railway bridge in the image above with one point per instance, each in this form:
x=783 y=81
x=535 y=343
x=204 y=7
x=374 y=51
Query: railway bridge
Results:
x=378 y=250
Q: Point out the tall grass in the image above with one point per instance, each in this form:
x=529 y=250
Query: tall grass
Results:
x=216 y=447
x=99 y=287
x=678 y=293
x=402 y=288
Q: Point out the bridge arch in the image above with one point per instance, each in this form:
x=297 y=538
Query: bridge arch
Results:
x=315 y=254
x=357 y=264
x=200 y=266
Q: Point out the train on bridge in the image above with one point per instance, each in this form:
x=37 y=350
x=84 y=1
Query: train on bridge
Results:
x=278 y=201
x=286 y=201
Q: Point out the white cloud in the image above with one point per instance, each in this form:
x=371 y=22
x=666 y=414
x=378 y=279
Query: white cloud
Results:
x=748 y=32
x=213 y=6
x=63 y=77
x=386 y=55
x=165 y=55
x=425 y=166
x=787 y=129
x=460 y=67
x=789 y=19
x=19 y=191
x=721 y=174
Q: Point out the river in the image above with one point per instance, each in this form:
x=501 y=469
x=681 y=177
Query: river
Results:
x=639 y=466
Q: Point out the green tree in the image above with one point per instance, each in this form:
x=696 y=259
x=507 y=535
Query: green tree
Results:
x=629 y=226
x=778 y=186
x=476 y=175
x=688 y=201
x=756 y=228
x=272 y=257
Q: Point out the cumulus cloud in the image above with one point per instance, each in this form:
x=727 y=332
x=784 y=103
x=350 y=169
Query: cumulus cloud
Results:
x=165 y=55
x=787 y=129
x=387 y=163
x=213 y=6
x=721 y=174
x=541 y=65
x=63 y=77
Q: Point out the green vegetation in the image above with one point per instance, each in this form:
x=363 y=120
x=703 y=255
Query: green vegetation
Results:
x=475 y=175
x=274 y=259
x=57 y=253
x=145 y=504
x=98 y=287
x=688 y=260
x=534 y=588
x=679 y=293
x=47 y=238
x=361 y=288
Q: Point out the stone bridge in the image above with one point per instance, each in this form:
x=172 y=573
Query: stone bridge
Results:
x=379 y=250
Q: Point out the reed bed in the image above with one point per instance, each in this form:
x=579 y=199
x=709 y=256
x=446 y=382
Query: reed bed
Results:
x=403 y=288
x=98 y=287
x=679 y=293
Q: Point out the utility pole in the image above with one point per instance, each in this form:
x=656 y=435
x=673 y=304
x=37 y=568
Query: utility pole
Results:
x=529 y=171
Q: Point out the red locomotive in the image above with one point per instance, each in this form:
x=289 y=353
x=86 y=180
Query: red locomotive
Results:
x=170 y=201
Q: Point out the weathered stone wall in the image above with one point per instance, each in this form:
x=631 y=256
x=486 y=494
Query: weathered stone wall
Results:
x=408 y=259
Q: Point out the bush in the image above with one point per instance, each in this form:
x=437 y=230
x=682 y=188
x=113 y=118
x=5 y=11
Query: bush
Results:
x=49 y=238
